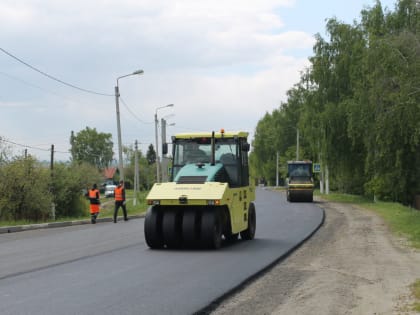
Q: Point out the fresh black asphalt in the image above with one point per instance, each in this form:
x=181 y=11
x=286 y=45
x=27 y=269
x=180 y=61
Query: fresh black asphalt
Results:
x=107 y=268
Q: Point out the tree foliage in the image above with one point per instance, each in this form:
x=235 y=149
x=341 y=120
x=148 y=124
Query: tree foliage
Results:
x=146 y=173
x=92 y=147
x=357 y=106
x=30 y=189
x=68 y=183
x=151 y=155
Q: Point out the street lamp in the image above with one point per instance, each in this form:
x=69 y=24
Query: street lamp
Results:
x=157 y=144
x=117 y=103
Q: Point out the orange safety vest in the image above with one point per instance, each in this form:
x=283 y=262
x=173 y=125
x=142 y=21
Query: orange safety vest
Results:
x=119 y=193
x=93 y=194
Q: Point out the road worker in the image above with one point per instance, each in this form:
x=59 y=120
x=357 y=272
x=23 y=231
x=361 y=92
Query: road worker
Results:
x=93 y=195
x=119 y=196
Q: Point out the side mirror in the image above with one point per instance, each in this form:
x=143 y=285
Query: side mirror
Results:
x=164 y=148
x=245 y=147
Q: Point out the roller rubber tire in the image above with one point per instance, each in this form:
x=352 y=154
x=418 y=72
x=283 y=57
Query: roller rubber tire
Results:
x=249 y=233
x=171 y=228
x=211 y=229
x=153 y=228
x=190 y=228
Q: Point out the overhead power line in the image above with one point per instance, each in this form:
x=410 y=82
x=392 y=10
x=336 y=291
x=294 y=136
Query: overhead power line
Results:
x=52 y=77
x=132 y=113
x=23 y=145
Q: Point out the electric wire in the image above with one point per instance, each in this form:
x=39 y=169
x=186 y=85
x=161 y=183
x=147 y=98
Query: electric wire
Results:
x=133 y=114
x=24 y=145
x=52 y=77
x=27 y=146
x=34 y=86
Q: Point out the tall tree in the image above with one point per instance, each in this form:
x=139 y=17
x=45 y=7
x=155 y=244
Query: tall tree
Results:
x=92 y=147
x=357 y=106
x=151 y=155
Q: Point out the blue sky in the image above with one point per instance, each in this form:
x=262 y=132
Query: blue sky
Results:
x=224 y=64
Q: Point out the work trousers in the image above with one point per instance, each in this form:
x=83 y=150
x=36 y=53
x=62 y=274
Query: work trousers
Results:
x=119 y=204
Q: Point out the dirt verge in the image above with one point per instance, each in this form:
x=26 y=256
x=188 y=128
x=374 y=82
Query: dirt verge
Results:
x=352 y=265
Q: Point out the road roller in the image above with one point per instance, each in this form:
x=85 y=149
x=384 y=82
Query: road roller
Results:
x=208 y=200
x=300 y=183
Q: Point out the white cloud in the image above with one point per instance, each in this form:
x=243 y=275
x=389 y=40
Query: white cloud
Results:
x=223 y=63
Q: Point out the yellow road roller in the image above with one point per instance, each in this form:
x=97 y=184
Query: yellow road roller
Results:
x=208 y=198
x=300 y=183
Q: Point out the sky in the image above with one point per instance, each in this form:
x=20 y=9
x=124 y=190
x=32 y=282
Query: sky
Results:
x=223 y=64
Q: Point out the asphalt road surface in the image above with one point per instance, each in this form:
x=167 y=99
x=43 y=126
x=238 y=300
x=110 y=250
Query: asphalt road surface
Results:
x=107 y=268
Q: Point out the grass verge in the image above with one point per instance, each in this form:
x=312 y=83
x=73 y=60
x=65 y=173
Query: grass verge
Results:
x=415 y=290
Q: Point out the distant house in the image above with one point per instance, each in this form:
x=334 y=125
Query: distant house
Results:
x=109 y=173
x=108 y=178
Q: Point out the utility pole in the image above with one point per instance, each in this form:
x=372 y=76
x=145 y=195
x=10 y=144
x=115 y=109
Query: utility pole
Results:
x=157 y=149
x=277 y=169
x=297 y=144
x=136 y=174
x=117 y=106
x=52 y=185
x=163 y=131
x=157 y=142
x=164 y=168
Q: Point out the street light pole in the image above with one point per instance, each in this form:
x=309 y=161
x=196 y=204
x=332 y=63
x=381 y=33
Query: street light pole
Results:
x=117 y=105
x=157 y=147
x=157 y=143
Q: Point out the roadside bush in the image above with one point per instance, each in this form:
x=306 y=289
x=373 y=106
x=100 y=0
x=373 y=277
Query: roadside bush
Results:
x=70 y=181
x=24 y=193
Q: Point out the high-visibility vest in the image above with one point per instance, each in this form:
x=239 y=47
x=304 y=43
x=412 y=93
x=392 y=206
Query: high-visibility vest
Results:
x=119 y=193
x=94 y=196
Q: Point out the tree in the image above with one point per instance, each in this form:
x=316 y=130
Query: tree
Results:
x=151 y=155
x=92 y=147
x=357 y=106
x=5 y=151
x=68 y=183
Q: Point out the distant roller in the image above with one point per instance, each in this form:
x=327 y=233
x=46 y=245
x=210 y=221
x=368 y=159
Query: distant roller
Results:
x=300 y=183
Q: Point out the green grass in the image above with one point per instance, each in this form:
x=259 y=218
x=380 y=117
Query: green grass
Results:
x=415 y=290
x=403 y=221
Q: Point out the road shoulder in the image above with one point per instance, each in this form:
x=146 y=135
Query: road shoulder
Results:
x=352 y=265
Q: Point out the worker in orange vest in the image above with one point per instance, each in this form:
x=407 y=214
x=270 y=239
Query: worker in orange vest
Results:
x=119 y=195
x=93 y=195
